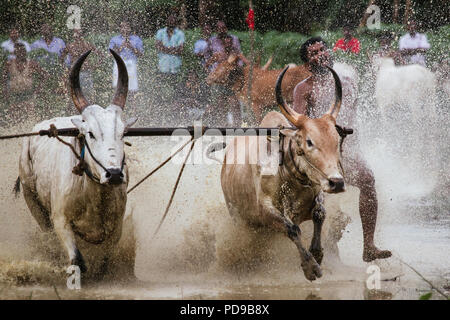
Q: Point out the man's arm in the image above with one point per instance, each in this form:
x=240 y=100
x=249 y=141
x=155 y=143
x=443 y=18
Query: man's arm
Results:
x=302 y=96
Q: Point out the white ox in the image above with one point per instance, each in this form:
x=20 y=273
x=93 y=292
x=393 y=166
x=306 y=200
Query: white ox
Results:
x=412 y=87
x=84 y=211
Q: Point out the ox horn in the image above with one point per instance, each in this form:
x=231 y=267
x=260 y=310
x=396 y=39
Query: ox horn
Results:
x=334 y=109
x=78 y=98
x=122 y=82
x=287 y=111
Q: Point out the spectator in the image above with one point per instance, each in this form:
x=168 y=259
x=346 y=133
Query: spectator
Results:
x=129 y=47
x=227 y=110
x=385 y=50
x=8 y=45
x=169 y=45
x=72 y=52
x=413 y=46
x=202 y=47
x=17 y=83
x=224 y=44
x=348 y=43
x=49 y=43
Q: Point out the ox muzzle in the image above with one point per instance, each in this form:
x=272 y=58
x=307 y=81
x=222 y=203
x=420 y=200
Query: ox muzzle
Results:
x=114 y=176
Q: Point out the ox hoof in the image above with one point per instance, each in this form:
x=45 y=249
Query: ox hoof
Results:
x=374 y=253
x=317 y=254
x=311 y=269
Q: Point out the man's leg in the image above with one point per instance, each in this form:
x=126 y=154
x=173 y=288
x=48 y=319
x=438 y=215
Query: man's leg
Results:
x=368 y=210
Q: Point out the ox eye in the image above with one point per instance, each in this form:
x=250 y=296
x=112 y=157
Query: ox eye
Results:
x=309 y=143
x=91 y=135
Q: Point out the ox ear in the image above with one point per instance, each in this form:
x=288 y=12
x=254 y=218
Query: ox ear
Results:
x=288 y=132
x=79 y=124
x=130 y=122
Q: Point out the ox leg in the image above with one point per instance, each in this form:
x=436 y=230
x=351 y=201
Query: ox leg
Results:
x=318 y=216
x=67 y=237
x=281 y=223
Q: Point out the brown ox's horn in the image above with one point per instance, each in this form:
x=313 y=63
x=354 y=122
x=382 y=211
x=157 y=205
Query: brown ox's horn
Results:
x=122 y=82
x=334 y=109
x=78 y=98
x=287 y=111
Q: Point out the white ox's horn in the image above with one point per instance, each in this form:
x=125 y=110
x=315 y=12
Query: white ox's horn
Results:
x=78 y=98
x=122 y=82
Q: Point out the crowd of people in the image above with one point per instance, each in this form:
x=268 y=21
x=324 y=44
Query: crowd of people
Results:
x=188 y=100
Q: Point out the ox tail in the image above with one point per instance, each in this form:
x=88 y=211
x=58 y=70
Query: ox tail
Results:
x=214 y=147
x=16 y=189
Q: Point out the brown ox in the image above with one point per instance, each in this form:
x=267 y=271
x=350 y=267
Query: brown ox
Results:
x=230 y=74
x=293 y=193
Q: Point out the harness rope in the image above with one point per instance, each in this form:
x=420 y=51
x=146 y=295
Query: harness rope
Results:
x=174 y=188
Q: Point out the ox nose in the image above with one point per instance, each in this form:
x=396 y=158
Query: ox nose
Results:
x=336 y=185
x=114 y=176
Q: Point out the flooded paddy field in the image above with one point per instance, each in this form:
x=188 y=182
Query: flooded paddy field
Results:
x=200 y=253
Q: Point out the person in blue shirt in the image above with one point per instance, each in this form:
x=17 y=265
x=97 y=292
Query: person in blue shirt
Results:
x=49 y=43
x=129 y=47
x=169 y=45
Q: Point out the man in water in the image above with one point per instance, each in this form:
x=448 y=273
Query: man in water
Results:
x=313 y=97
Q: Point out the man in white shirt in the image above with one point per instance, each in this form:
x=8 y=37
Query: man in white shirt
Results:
x=8 y=45
x=202 y=47
x=413 y=46
x=50 y=44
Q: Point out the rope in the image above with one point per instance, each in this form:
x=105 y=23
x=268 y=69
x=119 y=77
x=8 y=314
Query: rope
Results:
x=20 y=135
x=420 y=275
x=174 y=189
x=158 y=167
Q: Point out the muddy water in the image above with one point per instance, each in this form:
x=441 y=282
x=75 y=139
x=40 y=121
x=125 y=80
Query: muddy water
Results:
x=200 y=253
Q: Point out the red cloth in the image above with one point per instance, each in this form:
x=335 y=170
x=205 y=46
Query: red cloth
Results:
x=353 y=45
x=251 y=19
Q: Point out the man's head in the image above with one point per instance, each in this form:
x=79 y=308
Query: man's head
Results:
x=315 y=52
x=171 y=21
x=412 y=27
x=125 y=29
x=47 y=31
x=222 y=30
x=77 y=34
x=14 y=35
x=347 y=32
x=206 y=30
x=19 y=51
